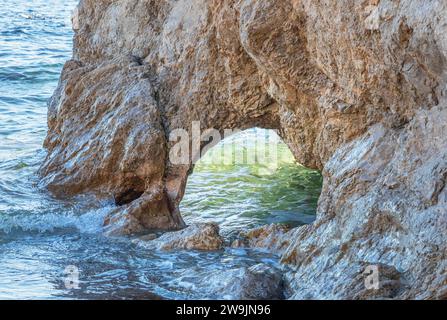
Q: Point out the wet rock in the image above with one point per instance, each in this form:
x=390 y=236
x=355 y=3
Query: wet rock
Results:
x=239 y=243
x=390 y=283
x=272 y=237
x=151 y=211
x=148 y=237
x=127 y=197
x=201 y=236
x=257 y=282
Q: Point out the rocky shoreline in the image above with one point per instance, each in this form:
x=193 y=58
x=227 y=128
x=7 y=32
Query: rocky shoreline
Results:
x=259 y=281
x=357 y=89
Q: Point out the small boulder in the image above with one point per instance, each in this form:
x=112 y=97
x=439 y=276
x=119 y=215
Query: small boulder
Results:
x=200 y=236
x=269 y=237
x=259 y=282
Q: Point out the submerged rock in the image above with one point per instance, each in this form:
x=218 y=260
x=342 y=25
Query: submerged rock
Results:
x=201 y=236
x=256 y=282
x=357 y=89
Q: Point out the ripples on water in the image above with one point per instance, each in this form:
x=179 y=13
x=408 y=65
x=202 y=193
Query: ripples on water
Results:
x=41 y=236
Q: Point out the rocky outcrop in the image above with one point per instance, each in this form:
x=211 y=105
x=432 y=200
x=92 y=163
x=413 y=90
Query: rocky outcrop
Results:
x=356 y=88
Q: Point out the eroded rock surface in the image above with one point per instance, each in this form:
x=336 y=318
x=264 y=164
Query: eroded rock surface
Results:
x=356 y=88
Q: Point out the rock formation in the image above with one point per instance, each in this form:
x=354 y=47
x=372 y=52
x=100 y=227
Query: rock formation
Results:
x=201 y=236
x=274 y=238
x=258 y=282
x=357 y=89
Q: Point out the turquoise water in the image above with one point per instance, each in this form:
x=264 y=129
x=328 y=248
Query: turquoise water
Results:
x=41 y=236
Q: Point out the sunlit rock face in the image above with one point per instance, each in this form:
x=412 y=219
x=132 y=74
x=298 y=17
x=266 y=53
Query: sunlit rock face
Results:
x=356 y=88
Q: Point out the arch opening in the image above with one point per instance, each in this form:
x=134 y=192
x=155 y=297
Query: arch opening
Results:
x=250 y=179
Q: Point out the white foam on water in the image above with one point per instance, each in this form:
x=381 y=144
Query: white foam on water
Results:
x=89 y=222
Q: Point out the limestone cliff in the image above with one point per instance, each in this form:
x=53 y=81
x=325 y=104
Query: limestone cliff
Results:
x=357 y=89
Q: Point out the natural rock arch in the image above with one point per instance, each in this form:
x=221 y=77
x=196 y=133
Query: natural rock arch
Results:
x=357 y=89
x=250 y=178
